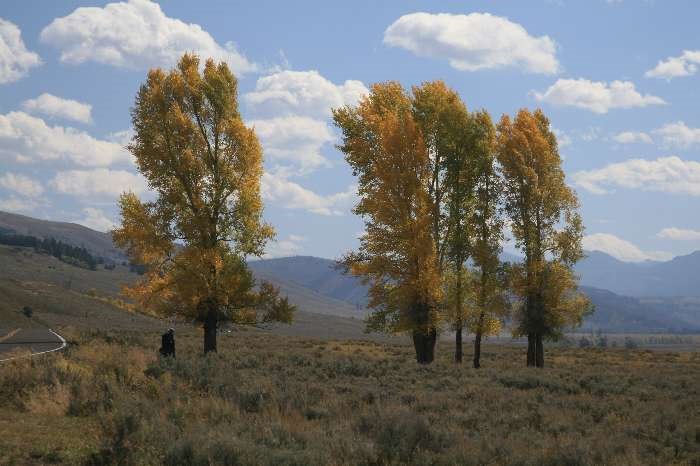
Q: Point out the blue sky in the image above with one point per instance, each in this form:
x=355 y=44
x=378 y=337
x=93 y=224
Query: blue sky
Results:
x=618 y=79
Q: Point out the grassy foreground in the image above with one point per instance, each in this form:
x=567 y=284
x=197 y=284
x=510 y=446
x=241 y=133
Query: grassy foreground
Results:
x=268 y=399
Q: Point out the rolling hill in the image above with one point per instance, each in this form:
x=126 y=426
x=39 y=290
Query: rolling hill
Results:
x=613 y=312
x=97 y=243
x=60 y=294
x=661 y=296
x=314 y=273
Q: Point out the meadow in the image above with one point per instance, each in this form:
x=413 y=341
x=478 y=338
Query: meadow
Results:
x=272 y=399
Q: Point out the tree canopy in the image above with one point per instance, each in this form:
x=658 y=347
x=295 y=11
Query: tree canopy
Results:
x=398 y=258
x=547 y=228
x=204 y=166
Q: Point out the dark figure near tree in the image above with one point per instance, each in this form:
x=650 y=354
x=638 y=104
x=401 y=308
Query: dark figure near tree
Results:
x=167 y=346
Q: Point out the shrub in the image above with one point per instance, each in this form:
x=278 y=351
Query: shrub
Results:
x=630 y=343
x=28 y=312
x=399 y=438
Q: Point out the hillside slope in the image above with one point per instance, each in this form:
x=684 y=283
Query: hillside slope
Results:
x=667 y=293
x=314 y=273
x=60 y=294
x=677 y=277
x=613 y=312
x=97 y=243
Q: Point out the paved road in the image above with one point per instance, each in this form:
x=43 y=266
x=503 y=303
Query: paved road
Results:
x=34 y=341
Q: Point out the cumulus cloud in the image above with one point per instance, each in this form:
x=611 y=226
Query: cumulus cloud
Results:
x=21 y=184
x=632 y=137
x=294 y=140
x=674 y=67
x=279 y=190
x=52 y=106
x=95 y=219
x=621 y=249
x=123 y=138
x=473 y=42
x=289 y=246
x=99 y=183
x=15 y=59
x=598 y=97
x=304 y=93
x=16 y=204
x=665 y=174
x=27 y=138
x=135 y=34
x=678 y=135
x=679 y=234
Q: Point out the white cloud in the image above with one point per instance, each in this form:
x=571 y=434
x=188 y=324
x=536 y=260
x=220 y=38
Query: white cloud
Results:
x=278 y=190
x=57 y=107
x=292 y=109
x=15 y=204
x=304 y=93
x=563 y=139
x=27 y=138
x=473 y=42
x=95 y=219
x=294 y=139
x=598 y=97
x=99 y=183
x=15 y=59
x=289 y=246
x=678 y=135
x=632 y=137
x=123 y=138
x=665 y=174
x=621 y=249
x=134 y=34
x=679 y=234
x=21 y=184
x=673 y=67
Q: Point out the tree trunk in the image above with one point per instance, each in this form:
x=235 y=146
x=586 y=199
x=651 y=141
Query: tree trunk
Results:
x=539 y=352
x=477 y=350
x=531 y=351
x=458 y=343
x=535 y=350
x=210 y=326
x=424 y=344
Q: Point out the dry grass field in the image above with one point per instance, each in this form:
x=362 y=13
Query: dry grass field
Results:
x=271 y=399
x=313 y=393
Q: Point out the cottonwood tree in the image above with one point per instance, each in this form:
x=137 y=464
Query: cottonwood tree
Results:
x=398 y=256
x=486 y=225
x=204 y=166
x=547 y=228
x=447 y=131
x=482 y=303
x=475 y=295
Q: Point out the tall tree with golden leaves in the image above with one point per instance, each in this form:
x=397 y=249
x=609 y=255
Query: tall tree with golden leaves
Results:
x=544 y=220
x=486 y=223
x=204 y=166
x=398 y=255
x=475 y=296
x=445 y=125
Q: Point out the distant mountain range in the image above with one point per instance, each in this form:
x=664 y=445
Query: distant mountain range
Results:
x=650 y=296
x=679 y=276
x=614 y=313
